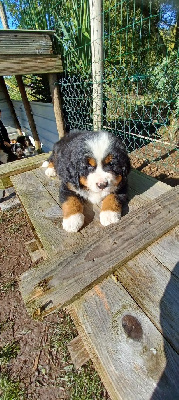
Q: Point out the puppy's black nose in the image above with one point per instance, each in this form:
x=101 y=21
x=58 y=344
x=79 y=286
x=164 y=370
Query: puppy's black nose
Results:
x=102 y=185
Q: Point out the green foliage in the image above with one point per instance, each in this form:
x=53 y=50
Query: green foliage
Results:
x=37 y=88
x=164 y=80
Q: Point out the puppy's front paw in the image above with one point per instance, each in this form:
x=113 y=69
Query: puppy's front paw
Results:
x=45 y=164
x=73 y=223
x=109 y=217
x=50 y=171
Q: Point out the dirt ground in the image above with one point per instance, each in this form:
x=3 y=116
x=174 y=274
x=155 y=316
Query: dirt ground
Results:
x=34 y=354
x=35 y=363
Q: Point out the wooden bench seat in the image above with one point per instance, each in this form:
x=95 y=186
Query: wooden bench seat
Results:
x=119 y=283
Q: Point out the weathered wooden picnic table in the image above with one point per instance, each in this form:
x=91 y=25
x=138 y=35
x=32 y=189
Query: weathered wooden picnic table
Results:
x=119 y=283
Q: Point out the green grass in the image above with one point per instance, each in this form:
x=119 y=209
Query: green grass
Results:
x=83 y=384
x=5 y=287
x=10 y=390
x=9 y=351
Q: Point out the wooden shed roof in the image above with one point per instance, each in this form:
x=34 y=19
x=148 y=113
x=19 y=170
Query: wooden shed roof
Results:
x=28 y=52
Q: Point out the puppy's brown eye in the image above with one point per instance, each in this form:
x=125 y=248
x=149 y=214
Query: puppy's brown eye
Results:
x=90 y=168
x=109 y=163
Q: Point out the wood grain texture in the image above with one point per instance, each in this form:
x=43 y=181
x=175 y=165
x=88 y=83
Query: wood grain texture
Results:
x=155 y=290
x=25 y=42
x=29 y=64
x=147 y=185
x=44 y=213
x=78 y=352
x=132 y=358
x=130 y=366
x=51 y=184
x=166 y=250
x=16 y=167
x=71 y=276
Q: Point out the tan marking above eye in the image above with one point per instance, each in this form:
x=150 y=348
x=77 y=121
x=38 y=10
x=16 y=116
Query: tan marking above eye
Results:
x=108 y=159
x=110 y=203
x=92 y=162
x=83 y=181
x=72 y=206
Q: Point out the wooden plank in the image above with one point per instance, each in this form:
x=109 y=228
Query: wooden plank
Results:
x=51 y=184
x=155 y=290
x=71 y=276
x=146 y=185
x=44 y=213
x=35 y=250
x=25 y=42
x=29 y=64
x=39 y=31
x=16 y=167
x=129 y=353
x=166 y=250
x=78 y=352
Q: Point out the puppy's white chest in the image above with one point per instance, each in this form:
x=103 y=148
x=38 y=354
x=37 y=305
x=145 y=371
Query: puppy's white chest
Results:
x=96 y=198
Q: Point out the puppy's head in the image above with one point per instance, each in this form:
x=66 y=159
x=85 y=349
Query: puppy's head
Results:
x=94 y=164
x=105 y=164
x=24 y=141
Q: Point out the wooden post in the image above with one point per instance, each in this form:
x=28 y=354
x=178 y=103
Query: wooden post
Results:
x=97 y=61
x=57 y=104
x=28 y=110
x=10 y=104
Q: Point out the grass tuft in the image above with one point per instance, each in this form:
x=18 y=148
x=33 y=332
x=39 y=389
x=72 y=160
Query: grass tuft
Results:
x=9 y=351
x=10 y=390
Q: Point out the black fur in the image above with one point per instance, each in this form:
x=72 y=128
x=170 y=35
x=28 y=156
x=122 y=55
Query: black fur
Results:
x=70 y=156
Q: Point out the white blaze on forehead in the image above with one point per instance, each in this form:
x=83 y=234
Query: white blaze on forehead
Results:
x=99 y=145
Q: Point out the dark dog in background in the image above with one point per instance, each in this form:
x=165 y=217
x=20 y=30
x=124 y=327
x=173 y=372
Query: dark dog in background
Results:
x=92 y=166
x=22 y=147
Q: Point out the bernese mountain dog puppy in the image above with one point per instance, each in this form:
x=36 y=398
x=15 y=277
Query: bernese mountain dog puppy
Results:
x=92 y=166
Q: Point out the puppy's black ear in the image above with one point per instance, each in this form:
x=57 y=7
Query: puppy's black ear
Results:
x=126 y=169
